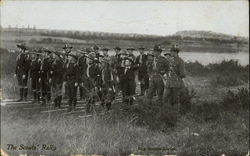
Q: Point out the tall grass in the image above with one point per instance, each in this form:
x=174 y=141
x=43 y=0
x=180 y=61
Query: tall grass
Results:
x=206 y=129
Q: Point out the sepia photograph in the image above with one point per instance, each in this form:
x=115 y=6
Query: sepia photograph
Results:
x=124 y=78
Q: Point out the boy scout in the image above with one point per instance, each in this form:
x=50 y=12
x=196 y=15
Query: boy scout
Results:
x=159 y=67
x=22 y=70
x=174 y=77
x=34 y=75
x=72 y=78
x=140 y=61
x=128 y=81
x=57 y=71
x=45 y=76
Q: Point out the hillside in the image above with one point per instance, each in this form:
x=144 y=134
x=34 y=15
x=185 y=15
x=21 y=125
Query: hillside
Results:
x=208 y=34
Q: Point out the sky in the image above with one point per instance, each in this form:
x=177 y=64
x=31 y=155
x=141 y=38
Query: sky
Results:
x=148 y=17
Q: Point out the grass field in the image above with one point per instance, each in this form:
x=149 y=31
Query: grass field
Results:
x=214 y=120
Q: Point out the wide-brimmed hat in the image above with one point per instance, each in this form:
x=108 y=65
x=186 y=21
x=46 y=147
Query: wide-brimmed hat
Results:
x=166 y=54
x=66 y=46
x=117 y=48
x=130 y=48
x=22 y=46
x=157 y=48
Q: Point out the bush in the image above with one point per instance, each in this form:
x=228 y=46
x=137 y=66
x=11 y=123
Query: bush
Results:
x=235 y=101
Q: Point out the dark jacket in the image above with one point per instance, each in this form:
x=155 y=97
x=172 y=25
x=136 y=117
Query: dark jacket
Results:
x=22 y=64
x=57 y=71
x=72 y=73
x=35 y=68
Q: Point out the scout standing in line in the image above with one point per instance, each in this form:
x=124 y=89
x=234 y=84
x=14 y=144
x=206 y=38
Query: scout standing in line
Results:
x=45 y=76
x=108 y=88
x=142 y=70
x=34 y=75
x=72 y=78
x=67 y=50
x=116 y=63
x=83 y=65
x=57 y=79
x=22 y=69
x=159 y=67
x=128 y=81
x=94 y=81
x=174 y=77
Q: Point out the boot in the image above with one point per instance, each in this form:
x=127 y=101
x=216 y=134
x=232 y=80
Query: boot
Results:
x=38 y=97
x=70 y=105
x=48 y=97
x=131 y=101
x=74 y=105
x=55 y=102
x=142 y=90
x=34 y=97
x=59 y=101
x=25 y=92
x=108 y=105
x=21 y=95
x=81 y=93
x=43 y=98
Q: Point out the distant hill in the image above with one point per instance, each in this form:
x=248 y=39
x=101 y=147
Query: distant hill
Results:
x=193 y=41
x=207 y=34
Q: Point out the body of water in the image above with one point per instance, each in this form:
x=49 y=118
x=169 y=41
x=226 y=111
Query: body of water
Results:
x=206 y=58
x=210 y=57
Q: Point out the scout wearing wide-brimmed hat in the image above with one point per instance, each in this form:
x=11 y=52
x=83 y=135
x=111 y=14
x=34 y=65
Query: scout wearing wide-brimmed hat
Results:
x=158 y=69
x=141 y=62
x=175 y=76
x=127 y=80
x=73 y=79
x=35 y=67
x=45 y=76
x=22 y=70
x=22 y=46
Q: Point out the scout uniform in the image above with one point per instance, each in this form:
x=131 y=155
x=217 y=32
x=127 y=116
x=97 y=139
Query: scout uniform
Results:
x=82 y=63
x=116 y=61
x=72 y=78
x=57 y=81
x=143 y=77
x=45 y=77
x=158 y=67
x=174 y=78
x=34 y=75
x=67 y=50
x=93 y=82
x=108 y=88
x=22 y=70
x=128 y=81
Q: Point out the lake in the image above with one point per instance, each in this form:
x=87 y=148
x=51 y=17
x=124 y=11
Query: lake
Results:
x=210 y=57
x=206 y=58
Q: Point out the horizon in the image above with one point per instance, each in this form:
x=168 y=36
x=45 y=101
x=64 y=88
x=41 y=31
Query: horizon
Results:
x=159 y=18
x=14 y=27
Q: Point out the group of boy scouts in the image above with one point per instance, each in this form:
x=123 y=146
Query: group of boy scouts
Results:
x=98 y=75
